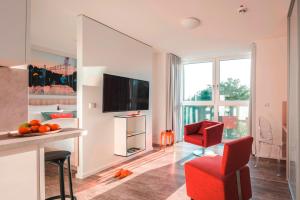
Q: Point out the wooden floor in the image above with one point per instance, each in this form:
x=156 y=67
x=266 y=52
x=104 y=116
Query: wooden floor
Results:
x=265 y=184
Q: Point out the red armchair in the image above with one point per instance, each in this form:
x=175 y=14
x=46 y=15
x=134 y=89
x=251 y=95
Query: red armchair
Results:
x=224 y=177
x=204 y=134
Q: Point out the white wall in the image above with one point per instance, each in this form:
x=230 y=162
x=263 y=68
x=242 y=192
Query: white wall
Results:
x=159 y=97
x=102 y=49
x=271 y=85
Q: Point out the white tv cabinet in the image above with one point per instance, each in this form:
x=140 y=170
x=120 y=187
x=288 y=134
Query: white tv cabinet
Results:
x=129 y=135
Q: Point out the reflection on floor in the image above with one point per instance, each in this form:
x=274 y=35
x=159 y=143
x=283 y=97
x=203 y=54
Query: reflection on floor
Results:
x=159 y=176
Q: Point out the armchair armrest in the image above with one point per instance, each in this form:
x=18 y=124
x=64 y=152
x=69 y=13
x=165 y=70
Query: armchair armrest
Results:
x=213 y=135
x=192 y=128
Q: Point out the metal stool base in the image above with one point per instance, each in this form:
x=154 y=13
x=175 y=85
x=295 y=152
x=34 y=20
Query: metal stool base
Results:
x=59 y=197
x=199 y=152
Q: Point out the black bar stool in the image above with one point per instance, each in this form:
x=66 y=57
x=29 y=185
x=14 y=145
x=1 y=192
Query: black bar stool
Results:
x=58 y=158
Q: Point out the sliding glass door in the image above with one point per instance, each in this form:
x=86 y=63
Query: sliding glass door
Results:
x=234 y=95
x=218 y=90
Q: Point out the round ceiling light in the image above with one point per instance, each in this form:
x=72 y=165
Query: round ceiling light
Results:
x=190 y=22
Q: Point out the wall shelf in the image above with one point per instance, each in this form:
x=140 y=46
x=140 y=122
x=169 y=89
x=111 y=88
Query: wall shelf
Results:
x=129 y=135
x=138 y=151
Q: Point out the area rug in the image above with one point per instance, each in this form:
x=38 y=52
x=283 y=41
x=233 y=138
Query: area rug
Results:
x=154 y=184
x=108 y=175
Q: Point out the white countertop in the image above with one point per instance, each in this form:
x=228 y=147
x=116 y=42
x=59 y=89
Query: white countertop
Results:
x=8 y=142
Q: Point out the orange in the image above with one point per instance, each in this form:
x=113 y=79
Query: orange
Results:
x=35 y=122
x=118 y=173
x=47 y=125
x=54 y=127
x=125 y=173
x=35 y=129
x=44 y=129
x=24 y=130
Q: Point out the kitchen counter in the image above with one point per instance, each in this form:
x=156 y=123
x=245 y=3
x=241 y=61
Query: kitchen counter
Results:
x=22 y=164
x=8 y=142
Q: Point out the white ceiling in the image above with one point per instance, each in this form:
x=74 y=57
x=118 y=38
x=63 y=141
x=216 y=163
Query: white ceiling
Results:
x=157 y=23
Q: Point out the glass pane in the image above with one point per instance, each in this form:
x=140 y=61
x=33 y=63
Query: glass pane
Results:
x=235 y=80
x=192 y=114
x=293 y=104
x=235 y=119
x=198 y=79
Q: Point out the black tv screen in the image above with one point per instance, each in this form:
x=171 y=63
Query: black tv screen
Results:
x=124 y=94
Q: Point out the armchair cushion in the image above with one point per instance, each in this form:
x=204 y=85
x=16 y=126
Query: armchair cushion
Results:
x=206 y=124
x=190 y=129
x=196 y=139
x=200 y=131
x=208 y=164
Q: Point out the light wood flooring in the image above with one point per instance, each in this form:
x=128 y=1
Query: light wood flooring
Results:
x=265 y=184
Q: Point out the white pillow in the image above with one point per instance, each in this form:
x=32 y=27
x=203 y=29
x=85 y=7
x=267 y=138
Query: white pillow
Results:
x=44 y=108
x=68 y=107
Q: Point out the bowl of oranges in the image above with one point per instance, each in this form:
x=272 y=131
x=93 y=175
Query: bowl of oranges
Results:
x=35 y=128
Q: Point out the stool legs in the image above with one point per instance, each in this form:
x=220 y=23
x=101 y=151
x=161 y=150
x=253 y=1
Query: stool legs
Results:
x=63 y=195
x=279 y=148
x=70 y=179
x=62 y=181
x=257 y=155
x=278 y=160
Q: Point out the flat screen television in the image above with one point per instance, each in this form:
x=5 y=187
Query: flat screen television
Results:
x=124 y=94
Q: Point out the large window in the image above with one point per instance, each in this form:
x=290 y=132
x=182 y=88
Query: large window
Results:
x=235 y=80
x=192 y=114
x=218 y=90
x=196 y=88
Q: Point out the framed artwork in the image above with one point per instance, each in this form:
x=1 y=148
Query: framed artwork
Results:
x=51 y=74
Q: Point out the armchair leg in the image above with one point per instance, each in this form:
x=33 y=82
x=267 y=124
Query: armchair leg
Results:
x=199 y=152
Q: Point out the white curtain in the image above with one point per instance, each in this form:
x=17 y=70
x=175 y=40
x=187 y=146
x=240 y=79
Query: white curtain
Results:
x=252 y=107
x=173 y=120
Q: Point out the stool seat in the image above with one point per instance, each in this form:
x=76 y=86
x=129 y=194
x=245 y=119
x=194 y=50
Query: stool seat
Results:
x=55 y=156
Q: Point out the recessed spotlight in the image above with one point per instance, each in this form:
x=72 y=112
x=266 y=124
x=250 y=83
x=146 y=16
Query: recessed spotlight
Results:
x=190 y=22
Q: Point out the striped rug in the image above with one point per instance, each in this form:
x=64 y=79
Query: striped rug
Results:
x=132 y=164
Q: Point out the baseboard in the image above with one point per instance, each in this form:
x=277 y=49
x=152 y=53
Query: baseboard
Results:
x=105 y=167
